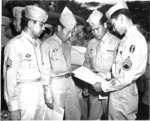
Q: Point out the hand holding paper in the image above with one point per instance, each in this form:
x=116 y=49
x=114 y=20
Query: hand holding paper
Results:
x=87 y=75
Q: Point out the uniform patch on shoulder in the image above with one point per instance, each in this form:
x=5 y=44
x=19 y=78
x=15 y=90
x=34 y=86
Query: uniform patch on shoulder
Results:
x=8 y=63
x=132 y=49
x=127 y=64
x=28 y=55
x=55 y=50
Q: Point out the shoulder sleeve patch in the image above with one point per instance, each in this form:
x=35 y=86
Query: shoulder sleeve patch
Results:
x=127 y=64
x=8 y=63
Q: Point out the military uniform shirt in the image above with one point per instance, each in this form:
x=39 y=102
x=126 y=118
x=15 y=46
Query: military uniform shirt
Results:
x=101 y=53
x=54 y=63
x=130 y=62
x=22 y=63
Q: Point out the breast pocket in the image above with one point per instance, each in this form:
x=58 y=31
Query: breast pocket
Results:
x=57 y=61
x=28 y=63
x=92 y=53
x=56 y=55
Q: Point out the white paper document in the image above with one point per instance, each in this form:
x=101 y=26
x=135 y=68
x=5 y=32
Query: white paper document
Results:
x=87 y=75
x=56 y=114
x=77 y=55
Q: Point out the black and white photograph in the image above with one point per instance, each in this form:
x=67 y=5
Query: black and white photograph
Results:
x=75 y=60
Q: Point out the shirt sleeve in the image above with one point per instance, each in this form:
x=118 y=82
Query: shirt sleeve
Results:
x=132 y=66
x=46 y=69
x=11 y=64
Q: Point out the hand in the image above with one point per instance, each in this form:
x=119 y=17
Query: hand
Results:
x=86 y=92
x=97 y=86
x=50 y=102
x=15 y=115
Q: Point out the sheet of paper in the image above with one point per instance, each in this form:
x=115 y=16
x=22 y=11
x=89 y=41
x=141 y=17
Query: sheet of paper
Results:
x=77 y=55
x=56 y=114
x=87 y=75
x=102 y=97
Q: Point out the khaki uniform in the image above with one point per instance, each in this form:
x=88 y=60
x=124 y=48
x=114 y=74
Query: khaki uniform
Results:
x=61 y=87
x=100 y=57
x=22 y=73
x=129 y=65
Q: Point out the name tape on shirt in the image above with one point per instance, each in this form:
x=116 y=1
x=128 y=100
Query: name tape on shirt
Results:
x=127 y=64
x=8 y=63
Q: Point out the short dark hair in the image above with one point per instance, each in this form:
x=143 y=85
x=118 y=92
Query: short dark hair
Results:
x=125 y=12
x=103 y=19
x=25 y=21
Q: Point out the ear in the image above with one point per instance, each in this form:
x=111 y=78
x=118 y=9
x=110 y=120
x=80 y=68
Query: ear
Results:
x=30 y=23
x=58 y=27
x=105 y=25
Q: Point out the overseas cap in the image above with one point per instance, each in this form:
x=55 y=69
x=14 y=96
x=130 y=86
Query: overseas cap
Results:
x=94 y=17
x=17 y=11
x=36 y=13
x=5 y=20
x=118 y=6
x=67 y=19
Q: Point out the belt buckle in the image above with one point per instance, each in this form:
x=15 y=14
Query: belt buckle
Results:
x=67 y=75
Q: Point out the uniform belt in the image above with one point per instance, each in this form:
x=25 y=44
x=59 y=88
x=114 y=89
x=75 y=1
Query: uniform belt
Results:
x=29 y=81
x=66 y=75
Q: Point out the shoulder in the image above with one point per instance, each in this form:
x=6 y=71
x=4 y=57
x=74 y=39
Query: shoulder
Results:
x=16 y=41
x=113 y=37
x=92 y=41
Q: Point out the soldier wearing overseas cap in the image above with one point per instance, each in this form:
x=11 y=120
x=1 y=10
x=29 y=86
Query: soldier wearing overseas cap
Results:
x=57 y=67
x=6 y=30
x=18 y=14
x=99 y=57
x=129 y=65
x=23 y=87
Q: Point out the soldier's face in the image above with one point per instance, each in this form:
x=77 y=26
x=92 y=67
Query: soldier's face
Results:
x=38 y=28
x=98 y=31
x=118 y=25
x=66 y=33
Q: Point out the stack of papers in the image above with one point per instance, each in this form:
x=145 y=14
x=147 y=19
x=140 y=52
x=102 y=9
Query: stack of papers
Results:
x=88 y=76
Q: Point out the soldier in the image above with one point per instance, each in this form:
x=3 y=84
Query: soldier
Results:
x=61 y=91
x=129 y=65
x=18 y=14
x=6 y=30
x=101 y=52
x=23 y=87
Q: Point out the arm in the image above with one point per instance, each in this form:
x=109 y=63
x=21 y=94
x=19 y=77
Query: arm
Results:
x=129 y=69
x=46 y=74
x=11 y=64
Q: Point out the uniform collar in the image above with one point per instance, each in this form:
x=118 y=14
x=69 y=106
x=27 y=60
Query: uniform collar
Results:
x=57 y=38
x=105 y=37
x=130 y=32
x=32 y=40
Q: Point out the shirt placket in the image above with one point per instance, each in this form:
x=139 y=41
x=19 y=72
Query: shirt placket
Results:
x=37 y=54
